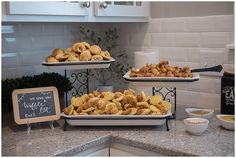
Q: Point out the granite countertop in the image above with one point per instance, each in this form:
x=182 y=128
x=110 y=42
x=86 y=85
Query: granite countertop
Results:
x=42 y=141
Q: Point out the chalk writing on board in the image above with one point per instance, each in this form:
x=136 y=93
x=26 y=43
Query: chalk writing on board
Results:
x=22 y=97
x=37 y=104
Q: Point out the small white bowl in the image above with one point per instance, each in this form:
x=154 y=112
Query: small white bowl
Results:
x=196 y=126
x=225 y=123
x=190 y=111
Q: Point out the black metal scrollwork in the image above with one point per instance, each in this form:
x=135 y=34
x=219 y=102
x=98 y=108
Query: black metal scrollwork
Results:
x=81 y=79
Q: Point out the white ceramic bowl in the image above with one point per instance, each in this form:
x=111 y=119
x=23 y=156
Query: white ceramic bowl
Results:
x=207 y=116
x=196 y=126
x=224 y=123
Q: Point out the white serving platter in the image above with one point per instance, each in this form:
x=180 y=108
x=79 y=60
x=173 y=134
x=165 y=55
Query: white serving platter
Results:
x=78 y=64
x=161 y=81
x=115 y=120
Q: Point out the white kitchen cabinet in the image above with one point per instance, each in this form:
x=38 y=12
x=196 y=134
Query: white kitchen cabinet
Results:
x=75 y=11
x=71 y=8
x=122 y=9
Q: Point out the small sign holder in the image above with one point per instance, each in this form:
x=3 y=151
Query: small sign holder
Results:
x=35 y=105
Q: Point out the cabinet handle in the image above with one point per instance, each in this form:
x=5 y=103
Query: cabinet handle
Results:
x=103 y=5
x=86 y=4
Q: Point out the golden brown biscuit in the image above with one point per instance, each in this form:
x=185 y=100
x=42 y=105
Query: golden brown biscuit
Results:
x=155 y=109
x=95 y=49
x=69 y=110
x=51 y=60
x=97 y=57
x=154 y=100
x=61 y=57
x=57 y=51
x=108 y=95
x=76 y=101
x=129 y=92
x=86 y=45
x=85 y=56
x=78 y=47
x=106 y=55
x=72 y=58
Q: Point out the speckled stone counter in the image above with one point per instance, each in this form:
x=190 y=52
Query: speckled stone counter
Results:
x=216 y=141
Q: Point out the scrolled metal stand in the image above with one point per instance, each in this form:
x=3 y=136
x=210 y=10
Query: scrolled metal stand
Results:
x=83 y=79
x=170 y=93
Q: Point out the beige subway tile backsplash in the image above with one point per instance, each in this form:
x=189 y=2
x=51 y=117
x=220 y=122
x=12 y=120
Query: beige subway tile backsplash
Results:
x=215 y=39
x=187 y=39
x=162 y=39
x=154 y=27
x=224 y=23
x=173 y=25
x=174 y=53
x=199 y=24
x=10 y=60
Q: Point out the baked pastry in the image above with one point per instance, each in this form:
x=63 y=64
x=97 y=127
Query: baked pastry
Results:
x=155 y=100
x=97 y=57
x=85 y=56
x=108 y=103
x=87 y=46
x=51 y=59
x=57 y=51
x=163 y=69
x=95 y=49
x=106 y=55
x=78 y=47
x=72 y=58
x=80 y=51
x=69 y=110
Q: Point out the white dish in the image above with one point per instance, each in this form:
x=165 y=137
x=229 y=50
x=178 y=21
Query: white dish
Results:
x=127 y=77
x=207 y=116
x=116 y=120
x=224 y=123
x=79 y=64
x=196 y=126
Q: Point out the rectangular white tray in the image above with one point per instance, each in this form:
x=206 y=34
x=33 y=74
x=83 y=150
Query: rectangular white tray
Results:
x=116 y=120
x=79 y=64
x=161 y=81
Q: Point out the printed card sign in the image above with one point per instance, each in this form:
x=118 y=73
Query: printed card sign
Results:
x=36 y=105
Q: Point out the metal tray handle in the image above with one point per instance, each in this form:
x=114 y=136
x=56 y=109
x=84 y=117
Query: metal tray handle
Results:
x=217 y=68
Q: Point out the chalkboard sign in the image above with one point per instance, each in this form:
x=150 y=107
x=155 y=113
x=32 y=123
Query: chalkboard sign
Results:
x=36 y=105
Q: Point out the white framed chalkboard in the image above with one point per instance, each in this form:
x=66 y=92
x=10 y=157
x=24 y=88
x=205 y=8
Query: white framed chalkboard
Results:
x=33 y=105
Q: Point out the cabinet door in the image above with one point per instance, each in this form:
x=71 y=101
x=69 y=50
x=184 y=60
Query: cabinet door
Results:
x=122 y=9
x=72 y=8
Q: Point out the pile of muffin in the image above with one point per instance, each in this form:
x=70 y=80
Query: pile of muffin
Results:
x=163 y=69
x=80 y=51
x=118 y=103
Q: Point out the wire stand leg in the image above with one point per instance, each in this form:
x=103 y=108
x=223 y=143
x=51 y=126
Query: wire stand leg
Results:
x=66 y=104
x=167 y=126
